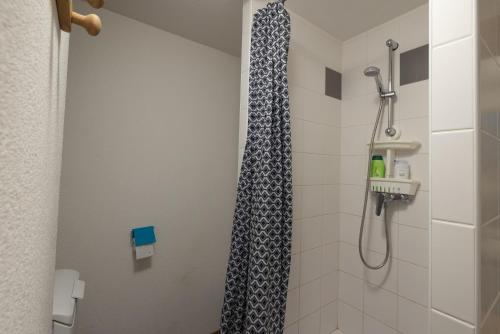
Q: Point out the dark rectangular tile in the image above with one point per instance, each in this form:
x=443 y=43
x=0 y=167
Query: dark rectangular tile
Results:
x=414 y=65
x=333 y=84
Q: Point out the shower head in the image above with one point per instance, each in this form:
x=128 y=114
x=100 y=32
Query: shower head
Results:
x=374 y=72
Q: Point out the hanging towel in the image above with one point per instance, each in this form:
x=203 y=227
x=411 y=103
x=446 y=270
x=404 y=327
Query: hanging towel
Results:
x=259 y=261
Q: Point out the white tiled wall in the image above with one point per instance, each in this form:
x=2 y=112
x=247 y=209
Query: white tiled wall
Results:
x=312 y=301
x=489 y=170
x=394 y=299
x=329 y=143
x=454 y=166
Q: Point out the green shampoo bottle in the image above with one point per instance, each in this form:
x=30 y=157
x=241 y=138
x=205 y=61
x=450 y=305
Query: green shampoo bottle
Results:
x=378 y=166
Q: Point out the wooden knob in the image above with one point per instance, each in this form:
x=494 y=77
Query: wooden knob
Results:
x=96 y=3
x=91 y=23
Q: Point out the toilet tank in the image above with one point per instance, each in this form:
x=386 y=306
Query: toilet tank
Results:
x=68 y=289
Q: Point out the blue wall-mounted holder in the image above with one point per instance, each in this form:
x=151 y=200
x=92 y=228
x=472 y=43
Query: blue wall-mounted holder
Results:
x=143 y=239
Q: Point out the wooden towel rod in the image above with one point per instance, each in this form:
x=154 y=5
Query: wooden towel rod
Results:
x=91 y=23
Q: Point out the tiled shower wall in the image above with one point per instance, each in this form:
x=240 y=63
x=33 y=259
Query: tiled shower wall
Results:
x=330 y=152
x=489 y=173
x=394 y=299
x=312 y=300
x=455 y=165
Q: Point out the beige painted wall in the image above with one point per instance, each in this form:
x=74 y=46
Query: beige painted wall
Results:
x=150 y=139
x=33 y=55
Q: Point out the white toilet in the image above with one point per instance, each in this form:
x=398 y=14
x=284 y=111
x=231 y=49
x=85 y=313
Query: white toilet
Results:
x=68 y=289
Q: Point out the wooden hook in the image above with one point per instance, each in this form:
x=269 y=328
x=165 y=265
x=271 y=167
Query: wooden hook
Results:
x=92 y=23
x=96 y=3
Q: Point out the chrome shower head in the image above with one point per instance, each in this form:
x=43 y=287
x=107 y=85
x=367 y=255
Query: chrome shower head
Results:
x=374 y=72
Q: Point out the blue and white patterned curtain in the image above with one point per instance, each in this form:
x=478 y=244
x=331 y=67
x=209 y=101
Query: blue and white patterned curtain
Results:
x=259 y=262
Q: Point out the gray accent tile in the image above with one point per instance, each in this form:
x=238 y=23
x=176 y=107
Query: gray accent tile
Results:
x=414 y=65
x=333 y=84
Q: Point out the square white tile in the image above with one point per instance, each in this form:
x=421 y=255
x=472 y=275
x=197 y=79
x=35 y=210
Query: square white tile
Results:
x=312 y=169
x=381 y=305
x=297 y=128
x=349 y=228
x=331 y=169
x=416 y=212
x=349 y=261
x=414 y=245
x=329 y=258
x=312 y=232
x=413 y=101
x=330 y=228
x=452 y=274
x=350 y=319
x=329 y=318
x=414 y=28
x=294 y=277
x=355 y=52
x=414 y=282
x=310 y=298
x=292 y=307
x=451 y=19
x=412 y=318
x=452 y=98
x=314 y=137
x=310 y=324
x=331 y=199
x=351 y=290
x=386 y=277
x=353 y=169
x=354 y=140
x=453 y=176
x=351 y=199
x=416 y=129
x=312 y=201
x=296 y=235
x=310 y=265
x=305 y=71
x=329 y=288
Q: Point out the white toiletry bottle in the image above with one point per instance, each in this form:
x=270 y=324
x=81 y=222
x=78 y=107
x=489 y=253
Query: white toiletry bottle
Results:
x=401 y=169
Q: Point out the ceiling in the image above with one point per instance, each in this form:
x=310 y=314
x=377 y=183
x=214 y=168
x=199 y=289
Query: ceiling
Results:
x=217 y=23
x=347 y=18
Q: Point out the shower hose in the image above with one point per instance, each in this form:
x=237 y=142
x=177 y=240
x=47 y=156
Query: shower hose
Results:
x=367 y=190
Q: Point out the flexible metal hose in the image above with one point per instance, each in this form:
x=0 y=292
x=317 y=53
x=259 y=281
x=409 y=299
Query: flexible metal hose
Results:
x=367 y=190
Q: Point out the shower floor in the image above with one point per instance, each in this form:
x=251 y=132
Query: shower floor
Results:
x=337 y=332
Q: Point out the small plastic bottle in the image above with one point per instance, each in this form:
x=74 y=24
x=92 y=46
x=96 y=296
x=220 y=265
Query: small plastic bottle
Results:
x=401 y=169
x=378 y=167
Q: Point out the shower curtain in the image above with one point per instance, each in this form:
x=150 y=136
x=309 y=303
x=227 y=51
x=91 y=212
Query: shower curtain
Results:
x=259 y=261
